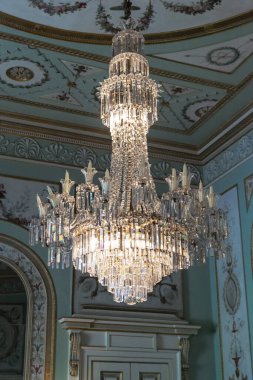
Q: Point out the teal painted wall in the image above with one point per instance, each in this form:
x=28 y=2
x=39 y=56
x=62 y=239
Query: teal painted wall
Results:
x=62 y=279
x=236 y=177
x=199 y=309
x=200 y=283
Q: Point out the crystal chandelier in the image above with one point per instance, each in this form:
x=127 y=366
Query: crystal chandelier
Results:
x=124 y=234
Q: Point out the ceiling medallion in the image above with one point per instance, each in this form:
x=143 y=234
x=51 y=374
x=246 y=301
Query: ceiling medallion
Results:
x=123 y=233
x=223 y=56
x=19 y=73
x=198 y=7
x=60 y=9
x=142 y=23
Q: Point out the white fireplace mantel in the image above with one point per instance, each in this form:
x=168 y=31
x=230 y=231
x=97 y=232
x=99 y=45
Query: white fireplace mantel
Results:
x=128 y=345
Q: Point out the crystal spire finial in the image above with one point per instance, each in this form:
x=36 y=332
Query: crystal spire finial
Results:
x=89 y=173
x=43 y=207
x=66 y=184
x=53 y=198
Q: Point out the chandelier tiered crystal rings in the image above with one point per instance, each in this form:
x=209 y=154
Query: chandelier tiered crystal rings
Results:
x=124 y=234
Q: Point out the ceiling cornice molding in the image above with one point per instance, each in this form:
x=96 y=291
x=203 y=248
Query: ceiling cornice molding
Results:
x=227 y=134
x=104 y=39
x=42 y=129
x=27 y=148
x=157 y=148
x=229 y=158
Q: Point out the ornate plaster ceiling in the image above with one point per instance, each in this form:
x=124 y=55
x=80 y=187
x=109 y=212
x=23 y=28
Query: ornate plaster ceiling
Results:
x=104 y=16
x=50 y=85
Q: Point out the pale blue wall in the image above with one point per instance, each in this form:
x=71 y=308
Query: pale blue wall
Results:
x=200 y=284
x=62 y=279
x=236 y=177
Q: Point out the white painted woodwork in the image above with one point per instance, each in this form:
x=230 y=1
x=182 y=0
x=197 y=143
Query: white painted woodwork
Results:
x=123 y=345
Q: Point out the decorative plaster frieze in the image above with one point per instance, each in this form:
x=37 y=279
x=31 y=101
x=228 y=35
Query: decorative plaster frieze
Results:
x=229 y=158
x=40 y=150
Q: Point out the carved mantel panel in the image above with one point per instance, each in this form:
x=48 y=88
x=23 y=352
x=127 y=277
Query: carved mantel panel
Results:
x=135 y=338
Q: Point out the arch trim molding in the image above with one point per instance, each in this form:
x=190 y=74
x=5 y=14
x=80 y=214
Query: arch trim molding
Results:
x=51 y=300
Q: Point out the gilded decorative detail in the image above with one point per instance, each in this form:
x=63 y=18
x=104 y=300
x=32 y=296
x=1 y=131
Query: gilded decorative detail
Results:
x=20 y=73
